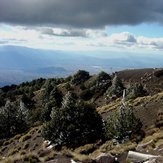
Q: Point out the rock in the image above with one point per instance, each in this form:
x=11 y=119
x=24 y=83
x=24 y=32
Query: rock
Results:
x=159 y=120
x=60 y=160
x=155 y=160
x=140 y=157
x=105 y=158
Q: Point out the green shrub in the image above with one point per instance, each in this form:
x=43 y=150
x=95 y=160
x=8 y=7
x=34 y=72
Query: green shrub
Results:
x=116 y=88
x=136 y=90
x=122 y=123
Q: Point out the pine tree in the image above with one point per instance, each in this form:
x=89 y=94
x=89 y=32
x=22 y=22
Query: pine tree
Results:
x=13 y=119
x=52 y=99
x=74 y=123
x=122 y=123
x=117 y=87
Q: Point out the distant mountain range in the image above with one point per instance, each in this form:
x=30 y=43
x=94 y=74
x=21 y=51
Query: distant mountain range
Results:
x=18 y=64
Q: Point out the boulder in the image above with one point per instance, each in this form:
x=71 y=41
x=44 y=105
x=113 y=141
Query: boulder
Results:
x=140 y=157
x=105 y=158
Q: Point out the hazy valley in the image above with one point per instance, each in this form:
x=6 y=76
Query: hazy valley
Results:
x=18 y=64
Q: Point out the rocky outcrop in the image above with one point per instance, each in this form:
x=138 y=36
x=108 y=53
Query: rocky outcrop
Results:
x=105 y=158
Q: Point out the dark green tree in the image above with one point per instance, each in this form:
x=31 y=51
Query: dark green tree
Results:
x=116 y=88
x=73 y=124
x=2 y=99
x=13 y=119
x=52 y=98
x=103 y=76
x=102 y=82
x=136 y=90
x=80 y=77
x=122 y=123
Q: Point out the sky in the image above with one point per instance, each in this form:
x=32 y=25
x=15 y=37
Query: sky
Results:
x=83 y=25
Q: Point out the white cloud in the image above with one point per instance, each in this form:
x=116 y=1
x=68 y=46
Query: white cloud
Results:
x=76 y=39
x=123 y=37
x=152 y=43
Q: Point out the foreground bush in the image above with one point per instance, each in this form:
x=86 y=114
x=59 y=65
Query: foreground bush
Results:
x=122 y=123
x=73 y=124
x=13 y=119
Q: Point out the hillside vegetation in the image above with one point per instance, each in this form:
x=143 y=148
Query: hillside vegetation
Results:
x=81 y=116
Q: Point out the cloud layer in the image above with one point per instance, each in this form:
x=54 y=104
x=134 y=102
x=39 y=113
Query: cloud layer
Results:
x=78 y=39
x=72 y=32
x=81 y=13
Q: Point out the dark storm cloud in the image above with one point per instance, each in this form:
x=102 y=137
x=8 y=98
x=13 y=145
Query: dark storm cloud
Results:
x=81 y=13
x=65 y=33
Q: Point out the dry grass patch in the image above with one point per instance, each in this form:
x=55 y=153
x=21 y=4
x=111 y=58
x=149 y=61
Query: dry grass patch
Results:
x=156 y=140
x=25 y=137
x=35 y=130
x=50 y=157
x=140 y=100
x=43 y=153
x=112 y=106
x=119 y=149
x=13 y=152
x=4 y=148
x=23 y=152
x=26 y=145
x=86 y=149
x=152 y=131
x=155 y=137
x=147 y=99
x=104 y=148
x=16 y=137
x=31 y=158
x=80 y=157
x=107 y=146
x=6 y=143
